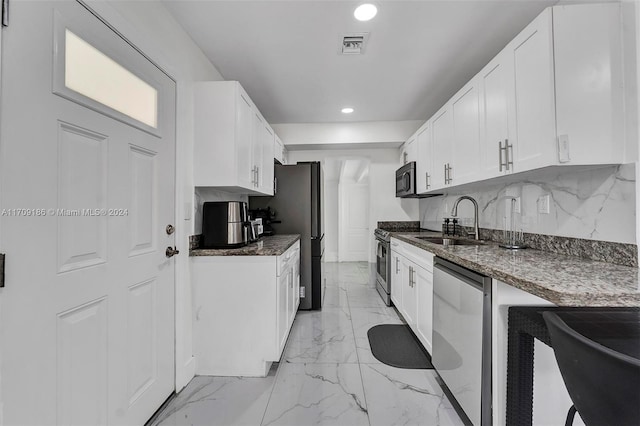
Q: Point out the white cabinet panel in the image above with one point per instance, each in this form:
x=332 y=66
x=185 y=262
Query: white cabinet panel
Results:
x=396 y=280
x=534 y=120
x=409 y=300
x=466 y=134
x=424 y=165
x=442 y=125
x=243 y=129
x=495 y=82
x=424 y=315
x=284 y=290
x=279 y=150
x=589 y=82
x=409 y=151
x=262 y=155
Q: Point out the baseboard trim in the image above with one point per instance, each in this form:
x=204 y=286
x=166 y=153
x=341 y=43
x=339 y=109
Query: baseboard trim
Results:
x=331 y=257
x=186 y=373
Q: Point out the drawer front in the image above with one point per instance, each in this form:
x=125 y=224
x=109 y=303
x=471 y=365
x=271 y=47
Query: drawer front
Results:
x=287 y=257
x=420 y=257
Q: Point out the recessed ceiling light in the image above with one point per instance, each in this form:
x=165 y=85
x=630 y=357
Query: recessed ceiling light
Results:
x=365 y=12
x=347 y=110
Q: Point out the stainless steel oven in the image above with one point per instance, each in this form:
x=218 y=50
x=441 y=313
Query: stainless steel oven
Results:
x=383 y=265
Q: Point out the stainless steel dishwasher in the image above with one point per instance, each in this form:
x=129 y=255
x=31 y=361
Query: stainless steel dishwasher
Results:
x=462 y=337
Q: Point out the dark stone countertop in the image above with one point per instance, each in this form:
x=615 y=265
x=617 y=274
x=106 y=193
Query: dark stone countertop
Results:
x=560 y=279
x=274 y=245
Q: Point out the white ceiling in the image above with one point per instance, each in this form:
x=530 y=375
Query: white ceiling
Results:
x=285 y=53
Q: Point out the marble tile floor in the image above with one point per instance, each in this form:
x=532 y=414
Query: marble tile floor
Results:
x=327 y=374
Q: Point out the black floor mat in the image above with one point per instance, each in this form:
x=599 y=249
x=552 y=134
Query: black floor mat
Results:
x=395 y=345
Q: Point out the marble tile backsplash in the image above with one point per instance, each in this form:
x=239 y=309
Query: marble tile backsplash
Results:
x=593 y=204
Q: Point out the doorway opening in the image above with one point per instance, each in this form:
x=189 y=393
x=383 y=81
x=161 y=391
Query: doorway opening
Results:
x=350 y=192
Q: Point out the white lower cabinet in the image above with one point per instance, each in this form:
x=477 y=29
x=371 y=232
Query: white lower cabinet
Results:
x=412 y=288
x=396 y=275
x=244 y=307
x=409 y=300
x=424 y=297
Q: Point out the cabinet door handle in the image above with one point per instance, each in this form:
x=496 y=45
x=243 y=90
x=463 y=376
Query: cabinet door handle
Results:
x=508 y=150
x=397 y=265
x=427 y=179
x=445 y=174
x=410 y=276
x=450 y=178
x=500 y=154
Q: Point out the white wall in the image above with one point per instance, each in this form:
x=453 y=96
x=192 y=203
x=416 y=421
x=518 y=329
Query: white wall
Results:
x=150 y=27
x=383 y=204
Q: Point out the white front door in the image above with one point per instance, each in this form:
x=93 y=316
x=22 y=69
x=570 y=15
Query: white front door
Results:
x=87 y=164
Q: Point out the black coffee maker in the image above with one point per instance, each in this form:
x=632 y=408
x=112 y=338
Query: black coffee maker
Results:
x=268 y=217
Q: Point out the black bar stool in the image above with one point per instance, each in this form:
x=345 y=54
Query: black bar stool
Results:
x=603 y=384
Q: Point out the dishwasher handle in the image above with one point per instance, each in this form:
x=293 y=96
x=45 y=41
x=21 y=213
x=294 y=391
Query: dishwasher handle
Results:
x=470 y=277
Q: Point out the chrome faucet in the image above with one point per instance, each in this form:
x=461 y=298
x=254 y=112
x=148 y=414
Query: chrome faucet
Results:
x=454 y=212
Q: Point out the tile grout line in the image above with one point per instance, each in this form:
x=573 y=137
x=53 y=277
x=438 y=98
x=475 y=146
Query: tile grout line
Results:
x=364 y=392
x=275 y=379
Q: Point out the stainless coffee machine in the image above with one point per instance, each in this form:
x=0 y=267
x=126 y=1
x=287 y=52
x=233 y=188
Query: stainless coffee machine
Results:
x=225 y=224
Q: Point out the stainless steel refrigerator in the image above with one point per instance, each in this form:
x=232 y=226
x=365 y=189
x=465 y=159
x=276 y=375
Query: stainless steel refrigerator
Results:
x=297 y=204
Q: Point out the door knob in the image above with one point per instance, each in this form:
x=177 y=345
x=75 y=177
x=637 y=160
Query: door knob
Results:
x=170 y=229
x=171 y=251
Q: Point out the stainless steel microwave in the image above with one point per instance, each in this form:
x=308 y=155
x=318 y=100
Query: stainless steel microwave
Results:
x=406 y=181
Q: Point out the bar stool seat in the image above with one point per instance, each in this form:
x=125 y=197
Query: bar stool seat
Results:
x=603 y=384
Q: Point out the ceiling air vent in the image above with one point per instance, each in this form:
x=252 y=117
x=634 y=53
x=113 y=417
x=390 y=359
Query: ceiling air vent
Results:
x=353 y=44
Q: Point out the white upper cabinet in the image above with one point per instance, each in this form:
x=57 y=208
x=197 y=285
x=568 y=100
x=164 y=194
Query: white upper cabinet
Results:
x=409 y=151
x=263 y=155
x=495 y=82
x=466 y=135
x=554 y=95
x=534 y=121
x=442 y=135
x=233 y=148
x=589 y=75
x=424 y=162
x=279 y=152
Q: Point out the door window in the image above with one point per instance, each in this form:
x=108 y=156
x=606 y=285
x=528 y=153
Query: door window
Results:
x=93 y=74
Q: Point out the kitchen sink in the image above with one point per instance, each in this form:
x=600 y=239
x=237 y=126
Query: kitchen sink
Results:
x=451 y=241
